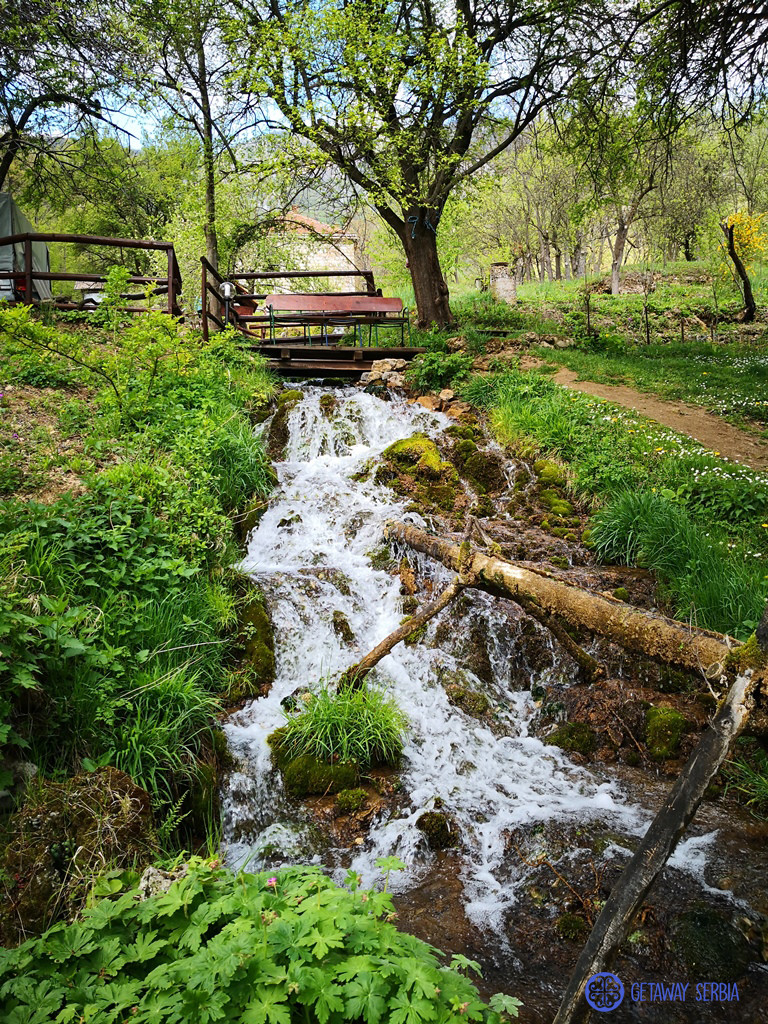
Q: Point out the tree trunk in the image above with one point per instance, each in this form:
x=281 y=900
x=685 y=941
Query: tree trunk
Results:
x=750 y=306
x=617 y=254
x=546 y=255
x=655 y=849
x=420 y=244
x=558 y=258
x=642 y=632
x=209 y=169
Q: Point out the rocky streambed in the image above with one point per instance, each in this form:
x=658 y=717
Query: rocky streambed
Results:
x=524 y=785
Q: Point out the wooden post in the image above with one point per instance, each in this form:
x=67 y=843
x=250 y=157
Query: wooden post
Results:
x=204 y=298
x=28 y=270
x=171 y=281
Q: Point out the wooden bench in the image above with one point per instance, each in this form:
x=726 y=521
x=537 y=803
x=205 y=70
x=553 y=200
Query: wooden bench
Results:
x=327 y=311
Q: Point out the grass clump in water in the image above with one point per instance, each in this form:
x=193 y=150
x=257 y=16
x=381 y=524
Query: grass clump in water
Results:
x=363 y=726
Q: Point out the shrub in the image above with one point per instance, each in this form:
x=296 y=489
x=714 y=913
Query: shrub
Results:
x=354 y=725
x=219 y=947
x=432 y=371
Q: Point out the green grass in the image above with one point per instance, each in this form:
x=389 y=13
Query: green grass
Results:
x=718 y=508
x=729 y=380
x=117 y=619
x=358 y=725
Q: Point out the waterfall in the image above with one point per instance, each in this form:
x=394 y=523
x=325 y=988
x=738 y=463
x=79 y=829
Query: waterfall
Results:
x=310 y=556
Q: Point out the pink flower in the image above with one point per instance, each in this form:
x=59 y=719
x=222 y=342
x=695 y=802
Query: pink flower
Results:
x=272 y=882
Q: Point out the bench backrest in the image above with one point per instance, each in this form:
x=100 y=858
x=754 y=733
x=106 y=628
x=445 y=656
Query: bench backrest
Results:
x=305 y=303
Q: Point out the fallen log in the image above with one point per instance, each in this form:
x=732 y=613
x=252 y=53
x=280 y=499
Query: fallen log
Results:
x=355 y=676
x=642 y=632
x=656 y=847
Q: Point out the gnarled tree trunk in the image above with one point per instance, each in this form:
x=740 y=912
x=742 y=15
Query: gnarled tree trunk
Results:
x=419 y=238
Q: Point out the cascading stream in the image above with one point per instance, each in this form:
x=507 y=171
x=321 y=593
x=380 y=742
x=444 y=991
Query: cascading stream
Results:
x=310 y=556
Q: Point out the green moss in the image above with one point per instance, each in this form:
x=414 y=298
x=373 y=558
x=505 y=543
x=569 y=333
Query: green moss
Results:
x=328 y=404
x=710 y=946
x=555 y=503
x=381 y=558
x=549 y=473
x=350 y=800
x=664 y=728
x=416 y=637
x=749 y=655
x=439 y=828
x=586 y=539
x=415 y=454
x=572 y=927
x=573 y=736
x=621 y=594
x=342 y=628
x=305 y=775
x=474 y=703
x=462 y=451
x=258 y=643
x=486 y=471
x=292 y=396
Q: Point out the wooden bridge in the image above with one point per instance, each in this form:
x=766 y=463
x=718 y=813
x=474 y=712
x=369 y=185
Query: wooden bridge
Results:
x=307 y=334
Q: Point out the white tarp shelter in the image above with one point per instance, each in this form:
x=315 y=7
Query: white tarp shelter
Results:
x=13 y=222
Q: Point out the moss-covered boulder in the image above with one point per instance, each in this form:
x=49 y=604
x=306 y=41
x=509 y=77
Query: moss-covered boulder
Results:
x=342 y=628
x=439 y=828
x=710 y=946
x=553 y=500
x=417 y=455
x=64 y=834
x=328 y=404
x=278 y=433
x=471 y=701
x=664 y=728
x=486 y=471
x=306 y=776
x=549 y=473
x=258 y=645
x=350 y=800
x=575 y=737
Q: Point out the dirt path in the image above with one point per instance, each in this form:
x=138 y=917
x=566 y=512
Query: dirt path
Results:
x=704 y=427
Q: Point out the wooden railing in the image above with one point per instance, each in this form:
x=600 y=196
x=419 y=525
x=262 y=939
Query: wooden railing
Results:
x=170 y=284
x=242 y=309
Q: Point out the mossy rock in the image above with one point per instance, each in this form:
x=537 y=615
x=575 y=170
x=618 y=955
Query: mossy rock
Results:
x=471 y=701
x=416 y=636
x=555 y=503
x=379 y=389
x=292 y=396
x=575 y=737
x=462 y=430
x=463 y=450
x=486 y=471
x=710 y=946
x=61 y=838
x=621 y=594
x=381 y=558
x=342 y=628
x=416 y=455
x=251 y=517
x=258 y=642
x=549 y=473
x=305 y=775
x=350 y=800
x=572 y=927
x=483 y=508
x=278 y=434
x=439 y=828
x=749 y=655
x=664 y=728
x=586 y=539
x=328 y=404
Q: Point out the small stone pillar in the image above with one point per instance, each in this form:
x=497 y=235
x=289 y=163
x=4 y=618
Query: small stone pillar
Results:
x=503 y=285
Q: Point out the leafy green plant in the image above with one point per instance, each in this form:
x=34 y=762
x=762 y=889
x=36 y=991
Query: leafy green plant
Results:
x=245 y=948
x=432 y=371
x=358 y=725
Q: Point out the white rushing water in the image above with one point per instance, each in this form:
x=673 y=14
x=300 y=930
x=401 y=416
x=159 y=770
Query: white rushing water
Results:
x=310 y=557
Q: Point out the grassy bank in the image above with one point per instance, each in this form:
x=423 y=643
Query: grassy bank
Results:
x=127 y=454
x=661 y=500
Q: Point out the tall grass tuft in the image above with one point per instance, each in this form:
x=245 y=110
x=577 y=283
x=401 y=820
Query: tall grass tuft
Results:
x=706 y=580
x=362 y=725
